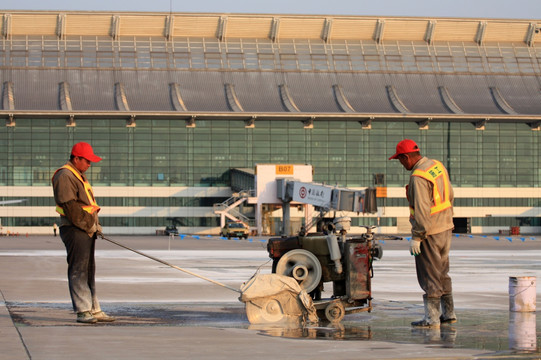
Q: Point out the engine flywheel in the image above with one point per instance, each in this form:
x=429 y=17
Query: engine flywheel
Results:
x=301 y=265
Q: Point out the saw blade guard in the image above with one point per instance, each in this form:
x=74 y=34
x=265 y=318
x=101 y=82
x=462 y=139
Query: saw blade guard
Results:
x=273 y=298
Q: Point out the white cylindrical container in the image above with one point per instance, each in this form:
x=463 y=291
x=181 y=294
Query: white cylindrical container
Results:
x=522 y=295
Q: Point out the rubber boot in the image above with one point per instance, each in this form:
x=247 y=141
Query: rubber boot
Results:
x=448 y=315
x=432 y=314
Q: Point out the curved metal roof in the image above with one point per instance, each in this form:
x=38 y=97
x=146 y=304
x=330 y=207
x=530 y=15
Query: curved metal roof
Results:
x=147 y=91
x=220 y=66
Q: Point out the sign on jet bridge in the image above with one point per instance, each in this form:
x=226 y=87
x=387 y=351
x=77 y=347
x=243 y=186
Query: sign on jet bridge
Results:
x=316 y=195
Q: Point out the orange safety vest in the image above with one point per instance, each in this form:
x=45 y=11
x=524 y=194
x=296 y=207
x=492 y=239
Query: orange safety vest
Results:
x=93 y=207
x=441 y=198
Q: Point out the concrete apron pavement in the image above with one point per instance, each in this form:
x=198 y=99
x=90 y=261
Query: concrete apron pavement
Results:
x=163 y=313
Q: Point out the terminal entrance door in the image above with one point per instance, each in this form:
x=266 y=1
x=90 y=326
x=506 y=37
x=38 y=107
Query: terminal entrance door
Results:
x=462 y=225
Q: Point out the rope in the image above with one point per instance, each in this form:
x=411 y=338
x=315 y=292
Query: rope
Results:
x=258 y=270
x=171 y=265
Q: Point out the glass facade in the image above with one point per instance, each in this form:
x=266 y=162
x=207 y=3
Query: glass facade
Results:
x=166 y=153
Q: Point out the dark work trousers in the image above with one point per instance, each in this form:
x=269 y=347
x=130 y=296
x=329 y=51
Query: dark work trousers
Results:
x=432 y=265
x=81 y=268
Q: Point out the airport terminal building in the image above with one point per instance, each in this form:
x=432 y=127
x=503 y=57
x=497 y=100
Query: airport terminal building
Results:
x=183 y=107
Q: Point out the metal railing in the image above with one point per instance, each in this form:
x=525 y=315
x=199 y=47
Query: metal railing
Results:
x=286 y=55
x=221 y=207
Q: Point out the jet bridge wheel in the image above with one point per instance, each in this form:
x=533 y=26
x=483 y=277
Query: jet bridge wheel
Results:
x=301 y=265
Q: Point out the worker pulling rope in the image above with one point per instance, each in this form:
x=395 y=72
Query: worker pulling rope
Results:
x=170 y=265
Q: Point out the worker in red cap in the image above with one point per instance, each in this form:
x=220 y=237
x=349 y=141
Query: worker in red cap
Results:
x=430 y=198
x=79 y=228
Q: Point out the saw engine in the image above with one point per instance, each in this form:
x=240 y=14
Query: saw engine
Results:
x=330 y=256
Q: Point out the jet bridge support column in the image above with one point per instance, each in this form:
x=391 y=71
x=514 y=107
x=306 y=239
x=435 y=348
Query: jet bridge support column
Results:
x=286 y=215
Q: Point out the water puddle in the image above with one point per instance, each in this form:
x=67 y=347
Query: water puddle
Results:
x=504 y=333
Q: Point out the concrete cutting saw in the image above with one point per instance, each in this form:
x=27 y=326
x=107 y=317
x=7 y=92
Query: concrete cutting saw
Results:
x=345 y=261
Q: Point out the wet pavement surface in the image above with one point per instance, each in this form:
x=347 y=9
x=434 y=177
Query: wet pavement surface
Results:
x=498 y=333
x=150 y=299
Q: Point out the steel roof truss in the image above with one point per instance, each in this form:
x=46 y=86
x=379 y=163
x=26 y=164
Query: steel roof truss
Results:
x=342 y=100
x=397 y=104
x=64 y=98
x=481 y=31
x=121 y=101
x=448 y=101
x=430 y=30
x=287 y=101
x=232 y=100
x=176 y=97
x=500 y=101
x=8 y=98
x=6 y=26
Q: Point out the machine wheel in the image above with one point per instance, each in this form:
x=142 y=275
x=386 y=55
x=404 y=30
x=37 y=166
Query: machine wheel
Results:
x=301 y=265
x=270 y=311
x=335 y=311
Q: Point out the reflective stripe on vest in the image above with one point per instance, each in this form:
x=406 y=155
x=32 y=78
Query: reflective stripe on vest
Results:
x=441 y=200
x=93 y=207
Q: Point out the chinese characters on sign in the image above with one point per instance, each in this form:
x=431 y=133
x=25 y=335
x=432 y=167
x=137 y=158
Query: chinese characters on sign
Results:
x=316 y=195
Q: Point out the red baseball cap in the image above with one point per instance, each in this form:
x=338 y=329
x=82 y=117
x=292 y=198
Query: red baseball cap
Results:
x=404 y=147
x=84 y=150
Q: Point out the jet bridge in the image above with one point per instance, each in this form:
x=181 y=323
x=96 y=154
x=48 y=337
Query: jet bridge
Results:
x=324 y=198
x=288 y=188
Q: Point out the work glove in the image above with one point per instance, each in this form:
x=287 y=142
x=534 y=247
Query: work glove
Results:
x=99 y=232
x=415 y=247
